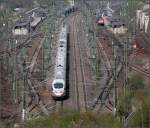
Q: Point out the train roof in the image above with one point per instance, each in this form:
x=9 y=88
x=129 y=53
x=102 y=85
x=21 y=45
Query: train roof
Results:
x=63 y=32
x=60 y=62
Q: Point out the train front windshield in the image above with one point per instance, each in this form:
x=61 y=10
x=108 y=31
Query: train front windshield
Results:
x=58 y=85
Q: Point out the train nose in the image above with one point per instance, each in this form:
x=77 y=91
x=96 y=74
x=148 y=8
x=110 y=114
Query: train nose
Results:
x=58 y=93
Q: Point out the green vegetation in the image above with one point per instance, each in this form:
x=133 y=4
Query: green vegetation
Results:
x=141 y=116
x=73 y=119
x=141 y=99
x=136 y=83
x=124 y=106
x=136 y=100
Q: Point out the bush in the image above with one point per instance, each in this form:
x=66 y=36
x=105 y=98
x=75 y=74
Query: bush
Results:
x=136 y=83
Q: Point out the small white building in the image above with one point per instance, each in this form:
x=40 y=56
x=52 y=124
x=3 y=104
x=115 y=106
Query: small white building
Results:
x=118 y=30
x=22 y=27
x=142 y=18
x=31 y=19
x=117 y=26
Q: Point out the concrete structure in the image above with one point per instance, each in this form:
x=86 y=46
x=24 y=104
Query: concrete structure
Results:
x=138 y=14
x=142 y=18
x=146 y=23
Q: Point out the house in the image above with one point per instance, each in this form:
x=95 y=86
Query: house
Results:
x=22 y=27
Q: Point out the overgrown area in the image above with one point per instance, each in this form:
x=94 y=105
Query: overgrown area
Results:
x=141 y=97
x=135 y=103
x=134 y=106
x=73 y=119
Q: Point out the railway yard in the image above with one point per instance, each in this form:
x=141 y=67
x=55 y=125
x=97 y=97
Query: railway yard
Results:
x=89 y=68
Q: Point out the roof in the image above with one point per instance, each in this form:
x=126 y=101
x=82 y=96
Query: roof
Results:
x=23 y=22
x=115 y=22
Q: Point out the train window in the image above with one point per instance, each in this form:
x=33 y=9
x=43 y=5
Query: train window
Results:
x=62 y=42
x=59 y=66
x=61 y=45
x=58 y=85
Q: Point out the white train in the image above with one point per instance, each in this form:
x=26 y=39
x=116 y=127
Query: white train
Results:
x=59 y=80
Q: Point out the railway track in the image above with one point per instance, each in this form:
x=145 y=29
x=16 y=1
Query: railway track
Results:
x=35 y=100
x=58 y=106
x=44 y=107
x=78 y=69
x=104 y=57
x=25 y=41
x=37 y=105
x=144 y=48
x=53 y=105
x=146 y=38
x=105 y=60
x=140 y=70
x=103 y=96
x=143 y=42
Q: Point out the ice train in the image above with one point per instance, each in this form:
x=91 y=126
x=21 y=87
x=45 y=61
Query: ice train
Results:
x=59 y=79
